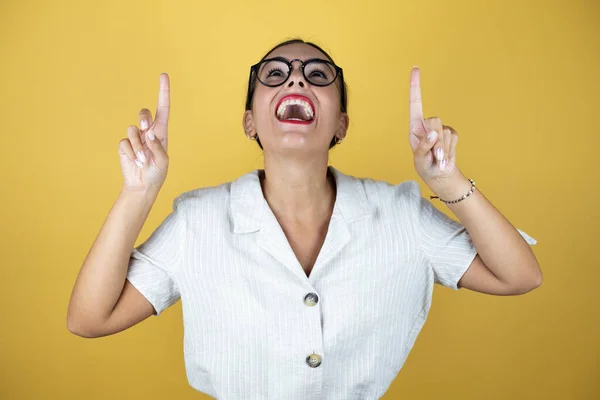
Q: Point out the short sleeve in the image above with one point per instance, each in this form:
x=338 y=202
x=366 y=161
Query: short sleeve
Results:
x=446 y=243
x=152 y=264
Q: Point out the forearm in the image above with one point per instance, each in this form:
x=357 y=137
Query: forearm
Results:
x=102 y=275
x=498 y=243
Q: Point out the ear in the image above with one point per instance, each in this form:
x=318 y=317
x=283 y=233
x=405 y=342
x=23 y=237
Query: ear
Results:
x=343 y=128
x=248 y=123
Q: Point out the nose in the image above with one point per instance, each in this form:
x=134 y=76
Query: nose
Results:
x=300 y=83
x=296 y=76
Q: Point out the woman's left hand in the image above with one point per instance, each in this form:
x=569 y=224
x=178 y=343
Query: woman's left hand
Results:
x=433 y=144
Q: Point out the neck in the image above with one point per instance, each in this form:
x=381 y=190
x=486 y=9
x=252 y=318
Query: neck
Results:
x=299 y=191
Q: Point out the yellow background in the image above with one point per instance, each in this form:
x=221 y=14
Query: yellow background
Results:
x=518 y=80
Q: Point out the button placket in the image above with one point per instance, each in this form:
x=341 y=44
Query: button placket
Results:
x=310 y=300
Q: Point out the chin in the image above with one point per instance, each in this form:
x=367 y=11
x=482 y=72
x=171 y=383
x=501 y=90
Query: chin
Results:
x=297 y=141
x=294 y=140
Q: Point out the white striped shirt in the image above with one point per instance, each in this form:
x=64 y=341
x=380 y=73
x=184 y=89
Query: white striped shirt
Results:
x=248 y=324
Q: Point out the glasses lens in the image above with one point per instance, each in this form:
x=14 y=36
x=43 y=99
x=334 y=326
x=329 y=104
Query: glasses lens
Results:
x=273 y=73
x=320 y=73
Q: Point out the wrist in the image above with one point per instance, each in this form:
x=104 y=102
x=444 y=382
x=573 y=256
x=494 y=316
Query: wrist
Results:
x=133 y=206
x=148 y=194
x=451 y=188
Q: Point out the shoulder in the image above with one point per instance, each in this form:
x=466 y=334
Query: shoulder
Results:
x=380 y=191
x=216 y=198
x=208 y=200
x=380 y=198
x=203 y=195
x=380 y=188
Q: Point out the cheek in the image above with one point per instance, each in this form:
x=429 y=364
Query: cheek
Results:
x=330 y=100
x=330 y=108
x=261 y=110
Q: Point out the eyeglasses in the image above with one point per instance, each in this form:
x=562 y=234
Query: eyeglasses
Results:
x=276 y=71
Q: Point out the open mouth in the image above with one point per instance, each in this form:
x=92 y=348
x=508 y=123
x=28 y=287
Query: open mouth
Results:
x=295 y=109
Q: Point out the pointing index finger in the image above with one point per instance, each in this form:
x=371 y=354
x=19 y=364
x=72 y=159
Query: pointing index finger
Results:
x=164 y=102
x=416 y=105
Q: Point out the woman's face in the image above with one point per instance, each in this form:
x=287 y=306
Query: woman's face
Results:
x=281 y=115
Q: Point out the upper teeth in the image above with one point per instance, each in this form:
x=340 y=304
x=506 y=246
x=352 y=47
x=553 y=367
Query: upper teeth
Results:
x=303 y=103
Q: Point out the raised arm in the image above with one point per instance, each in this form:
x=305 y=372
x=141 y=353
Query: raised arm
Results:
x=505 y=264
x=103 y=302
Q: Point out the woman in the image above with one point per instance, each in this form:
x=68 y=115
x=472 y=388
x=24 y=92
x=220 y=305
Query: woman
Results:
x=297 y=281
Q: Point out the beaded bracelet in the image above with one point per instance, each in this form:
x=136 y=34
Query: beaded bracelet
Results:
x=464 y=196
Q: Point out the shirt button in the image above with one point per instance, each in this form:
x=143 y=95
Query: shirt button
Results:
x=314 y=360
x=311 y=299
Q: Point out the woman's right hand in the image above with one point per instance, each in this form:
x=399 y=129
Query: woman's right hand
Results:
x=144 y=159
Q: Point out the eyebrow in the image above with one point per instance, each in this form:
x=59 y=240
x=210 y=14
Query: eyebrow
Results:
x=306 y=59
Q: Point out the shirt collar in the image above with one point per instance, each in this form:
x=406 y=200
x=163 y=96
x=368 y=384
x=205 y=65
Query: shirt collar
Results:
x=248 y=205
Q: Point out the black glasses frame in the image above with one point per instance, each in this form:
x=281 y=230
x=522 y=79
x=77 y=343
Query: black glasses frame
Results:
x=254 y=69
